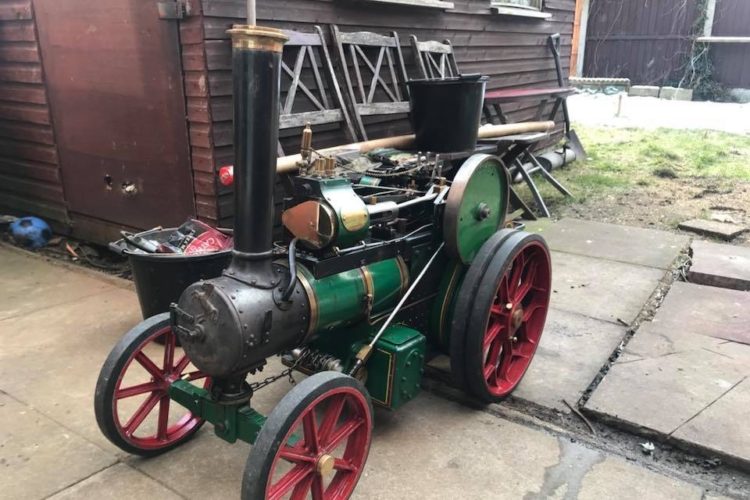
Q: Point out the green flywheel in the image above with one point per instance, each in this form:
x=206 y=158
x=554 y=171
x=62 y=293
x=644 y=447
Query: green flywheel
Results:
x=476 y=206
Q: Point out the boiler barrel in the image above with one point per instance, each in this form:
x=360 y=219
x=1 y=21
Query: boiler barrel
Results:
x=351 y=296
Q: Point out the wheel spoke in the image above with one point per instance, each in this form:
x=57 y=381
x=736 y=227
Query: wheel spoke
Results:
x=169 y=347
x=310 y=428
x=332 y=415
x=295 y=455
x=161 y=431
x=529 y=311
x=135 y=390
x=344 y=466
x=506 y=359
x=141 y=413
x=491 y=334
x=180 y=366
x=149 y=365
x=317 y=487
x=527 y=285
x=515 y=276
x=343 y=432
x=290 y=480
x=303 y=488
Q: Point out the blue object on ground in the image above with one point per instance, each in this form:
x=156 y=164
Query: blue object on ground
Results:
x=31 y=232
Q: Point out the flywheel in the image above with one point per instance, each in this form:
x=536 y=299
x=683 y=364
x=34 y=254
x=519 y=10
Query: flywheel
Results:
x=476 y=206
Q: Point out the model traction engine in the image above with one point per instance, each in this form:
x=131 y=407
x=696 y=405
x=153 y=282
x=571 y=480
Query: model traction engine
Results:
x=390 y=257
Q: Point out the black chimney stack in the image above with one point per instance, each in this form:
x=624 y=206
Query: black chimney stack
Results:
x=256 y=64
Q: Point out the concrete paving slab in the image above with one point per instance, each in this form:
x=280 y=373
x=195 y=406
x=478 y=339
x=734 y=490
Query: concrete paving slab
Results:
x=51 y=359
x=119 y=482
x=572 y=351
x=634 y=393
x=601 y=289
x=631 y=245
x=644 y=91
x=642 y=484
x=705 y=310
x=725 y=266
x=722 y=426
x=413 y=443
x=722 y=230
x=30 y=284
x=40 y=457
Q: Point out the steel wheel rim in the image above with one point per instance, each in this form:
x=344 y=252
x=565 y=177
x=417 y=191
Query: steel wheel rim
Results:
x=320 y=438
x=158 y=399
x=516 y=319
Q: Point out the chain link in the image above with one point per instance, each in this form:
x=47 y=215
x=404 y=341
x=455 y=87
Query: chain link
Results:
x=256 y=386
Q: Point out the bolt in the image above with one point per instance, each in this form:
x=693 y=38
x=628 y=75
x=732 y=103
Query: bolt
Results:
x=509 y=306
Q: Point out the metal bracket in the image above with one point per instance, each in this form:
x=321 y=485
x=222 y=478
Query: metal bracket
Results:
x=174 y=9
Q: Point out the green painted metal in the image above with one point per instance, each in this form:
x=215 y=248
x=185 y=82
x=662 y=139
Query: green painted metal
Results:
x=351 y=212
x=395 y=370
x=231 y=422
x=347 y=297
x=441 y=314
x=482 y=208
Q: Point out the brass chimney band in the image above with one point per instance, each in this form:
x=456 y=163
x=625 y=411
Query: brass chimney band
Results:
x=257 y=38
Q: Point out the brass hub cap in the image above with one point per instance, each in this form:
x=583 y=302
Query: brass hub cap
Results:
x=324 y=465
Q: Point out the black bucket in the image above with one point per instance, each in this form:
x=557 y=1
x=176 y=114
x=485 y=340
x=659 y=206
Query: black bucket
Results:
x=445 y=113
x=160 y=278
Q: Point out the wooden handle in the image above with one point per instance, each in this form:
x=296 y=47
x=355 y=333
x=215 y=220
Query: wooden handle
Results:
x=288 y=164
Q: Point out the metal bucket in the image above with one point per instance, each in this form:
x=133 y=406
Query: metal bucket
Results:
x=445 y=113
x=160 y=278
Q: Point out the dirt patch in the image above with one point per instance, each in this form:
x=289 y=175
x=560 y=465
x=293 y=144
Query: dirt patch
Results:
x=665 y=203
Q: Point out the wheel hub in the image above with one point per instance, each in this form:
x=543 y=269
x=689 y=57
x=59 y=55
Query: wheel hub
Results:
x=324 y=465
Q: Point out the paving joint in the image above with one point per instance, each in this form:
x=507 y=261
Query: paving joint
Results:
x=709 y=405
x=82 y=479
x=647 y=313
x=672 y=461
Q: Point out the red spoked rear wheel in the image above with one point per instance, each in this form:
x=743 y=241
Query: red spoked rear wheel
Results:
x=314 y=444
x=131 y=402
x=508 y=317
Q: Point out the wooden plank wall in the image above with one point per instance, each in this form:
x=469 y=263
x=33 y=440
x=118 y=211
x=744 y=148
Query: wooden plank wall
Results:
x=30 y=179
x=732 y=61
x=511 y=50
x=647 y=41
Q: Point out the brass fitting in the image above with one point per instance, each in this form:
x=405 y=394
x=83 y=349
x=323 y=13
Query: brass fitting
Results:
x=257 y=38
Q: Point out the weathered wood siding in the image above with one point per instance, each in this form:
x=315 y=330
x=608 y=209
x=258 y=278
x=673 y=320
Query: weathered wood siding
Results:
x=647 y=41
x=511 y=50
x=29 y=171
x=732 y=61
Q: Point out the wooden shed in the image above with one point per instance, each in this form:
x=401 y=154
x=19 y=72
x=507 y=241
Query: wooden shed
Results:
x=113 y=115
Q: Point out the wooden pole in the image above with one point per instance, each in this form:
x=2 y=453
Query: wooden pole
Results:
x=288 y=164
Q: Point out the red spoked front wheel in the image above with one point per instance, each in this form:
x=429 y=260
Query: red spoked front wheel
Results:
x=314 y=444
x=508 y=316
x=131 y=402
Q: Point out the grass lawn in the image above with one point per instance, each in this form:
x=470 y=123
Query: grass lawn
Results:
x=654 y=177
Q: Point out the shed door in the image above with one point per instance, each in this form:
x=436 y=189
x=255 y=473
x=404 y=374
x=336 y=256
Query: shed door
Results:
x=115 y=85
